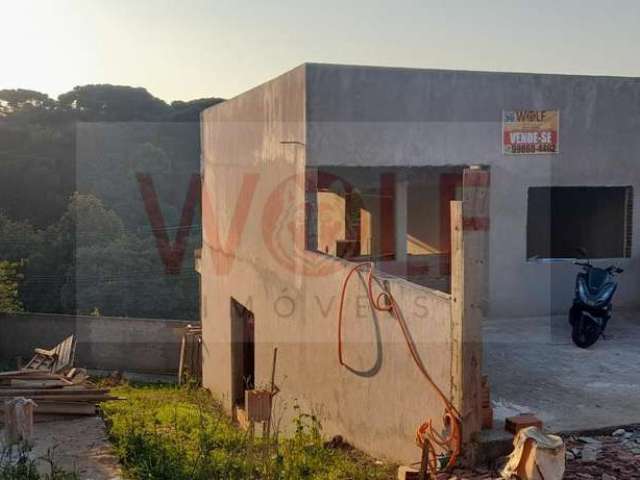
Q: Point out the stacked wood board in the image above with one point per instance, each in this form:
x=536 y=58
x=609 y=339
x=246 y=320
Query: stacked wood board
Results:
x=55 y=395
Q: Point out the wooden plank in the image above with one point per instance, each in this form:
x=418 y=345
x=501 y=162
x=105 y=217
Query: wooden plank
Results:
x=66 y=408
x=18 y=385
x=45 y=353
x=16 y=392
x=49 y=417
x=57 y=359
x=37 y=384
x=66 y=353
x=30 y=376
x=183 y=345
x=457 y=305
x=67 y=398
x=57 y=380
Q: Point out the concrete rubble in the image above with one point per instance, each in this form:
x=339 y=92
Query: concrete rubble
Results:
x=599 y=457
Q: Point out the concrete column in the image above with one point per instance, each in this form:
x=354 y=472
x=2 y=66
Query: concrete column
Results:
x=469 y=292
x=400 y=214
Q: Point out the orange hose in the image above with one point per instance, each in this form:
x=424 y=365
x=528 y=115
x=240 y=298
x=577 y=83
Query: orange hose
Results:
x=385 y=302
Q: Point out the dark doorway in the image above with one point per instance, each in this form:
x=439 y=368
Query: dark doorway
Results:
x=242 y=351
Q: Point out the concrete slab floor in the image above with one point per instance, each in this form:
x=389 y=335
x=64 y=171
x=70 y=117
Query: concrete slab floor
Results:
x=534 y=367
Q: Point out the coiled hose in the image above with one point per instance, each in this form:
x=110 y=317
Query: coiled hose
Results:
x=425 y=433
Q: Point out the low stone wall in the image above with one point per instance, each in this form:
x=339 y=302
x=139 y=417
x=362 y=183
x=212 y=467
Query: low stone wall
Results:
x=104 y=343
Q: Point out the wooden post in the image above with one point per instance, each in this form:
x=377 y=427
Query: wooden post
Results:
x=457 y=306
x=272 y=392
x=183 y=346
x=469 y=292
x=424 y=473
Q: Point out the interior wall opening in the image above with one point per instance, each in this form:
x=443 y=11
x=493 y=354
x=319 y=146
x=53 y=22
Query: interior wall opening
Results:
x=398 y=218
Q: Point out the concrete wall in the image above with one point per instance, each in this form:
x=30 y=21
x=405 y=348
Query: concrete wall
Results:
x=254 y=252
x=104 y=343
x=368 y=116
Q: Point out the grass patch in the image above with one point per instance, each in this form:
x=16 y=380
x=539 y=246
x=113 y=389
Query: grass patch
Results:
x=164 y=432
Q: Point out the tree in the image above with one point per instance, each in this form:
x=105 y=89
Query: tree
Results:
x=126 y=278
x=114 y=103
x=18 y=240
x=96 y=248
x=19 y=100
x=9 y=281
x=190 y=111
x=88 y=222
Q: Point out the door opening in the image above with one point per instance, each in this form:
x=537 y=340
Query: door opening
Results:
x=242 y=351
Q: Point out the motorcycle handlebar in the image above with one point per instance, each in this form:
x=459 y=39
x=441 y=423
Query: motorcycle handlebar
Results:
x=611 y=269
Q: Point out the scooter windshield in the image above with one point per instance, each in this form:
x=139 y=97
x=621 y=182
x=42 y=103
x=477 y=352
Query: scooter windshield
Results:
x=596 y=278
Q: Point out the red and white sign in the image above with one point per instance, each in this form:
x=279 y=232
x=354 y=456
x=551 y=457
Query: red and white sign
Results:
x=530 y=132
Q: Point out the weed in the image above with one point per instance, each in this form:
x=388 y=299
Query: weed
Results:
x=169 y=433
x=16 y=463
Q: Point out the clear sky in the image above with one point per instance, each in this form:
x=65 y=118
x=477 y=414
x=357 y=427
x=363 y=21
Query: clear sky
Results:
x=184 y=49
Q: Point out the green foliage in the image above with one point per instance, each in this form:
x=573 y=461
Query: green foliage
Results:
x=9 y=281
x=89 y=221
x=190 y=111
x=70 y=197
x=114 y=103
x=168 y=433
x=18 y=100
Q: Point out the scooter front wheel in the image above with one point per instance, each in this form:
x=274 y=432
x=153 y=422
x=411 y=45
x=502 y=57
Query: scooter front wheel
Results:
x=586 y=331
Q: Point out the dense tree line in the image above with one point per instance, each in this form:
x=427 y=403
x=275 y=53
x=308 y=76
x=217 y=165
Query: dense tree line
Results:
x=74 y=232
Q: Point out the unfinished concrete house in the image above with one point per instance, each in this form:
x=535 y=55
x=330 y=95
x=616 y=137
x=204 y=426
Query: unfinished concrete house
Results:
x=370 y=222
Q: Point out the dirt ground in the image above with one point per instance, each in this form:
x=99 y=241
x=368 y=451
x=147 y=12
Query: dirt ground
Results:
x=79 y=445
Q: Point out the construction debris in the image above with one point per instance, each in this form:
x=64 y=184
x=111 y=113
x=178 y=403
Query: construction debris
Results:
x=58 y=359
x=51 y=395
x=617 y=456
x=536 y=456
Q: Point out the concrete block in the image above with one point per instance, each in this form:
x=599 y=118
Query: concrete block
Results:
x=407 y=473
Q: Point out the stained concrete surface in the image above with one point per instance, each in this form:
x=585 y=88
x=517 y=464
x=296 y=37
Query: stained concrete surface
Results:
x=76 y=445
x=534 y=367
